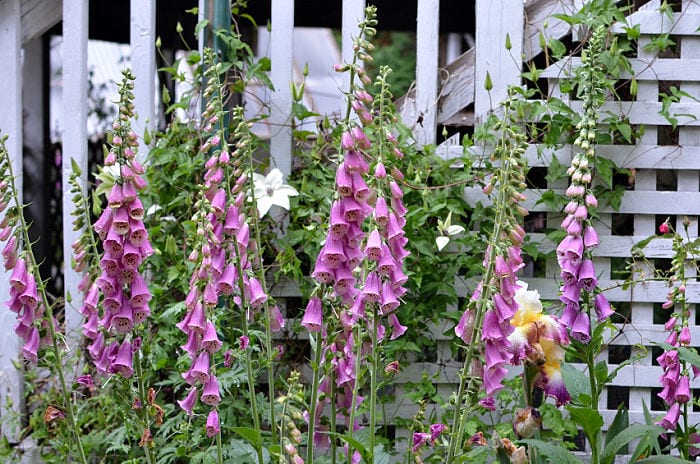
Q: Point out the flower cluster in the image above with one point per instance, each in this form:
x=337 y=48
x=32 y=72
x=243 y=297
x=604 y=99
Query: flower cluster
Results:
x=677 y=373
x=24 y=299
x=574 y=251
x=364 y=271
x=359 y=269
x=223 y=253
x=492 y=306
x=125 y=294
x=538 y=340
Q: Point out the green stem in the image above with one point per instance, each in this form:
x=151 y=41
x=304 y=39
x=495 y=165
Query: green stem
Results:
x=356 y=389
x=268 y=314
x=251 y=384
x=41 y=290
x=373 y=382
x=461 y=413
x=219 y=448
x=148 y=451
x=334 y=415
x=318 y=345
x=593 y=439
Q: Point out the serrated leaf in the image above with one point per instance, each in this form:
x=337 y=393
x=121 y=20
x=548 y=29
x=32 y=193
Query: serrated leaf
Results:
x=576 y=381
x=555 y=453
x=630 y=433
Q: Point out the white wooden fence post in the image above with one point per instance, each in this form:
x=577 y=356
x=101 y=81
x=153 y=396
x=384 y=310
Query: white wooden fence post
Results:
x=75 y=91
x=492 y=57
x=281 y=55
x=427 y=46
x=11 y=382
x=143 y=63
x=353 y=12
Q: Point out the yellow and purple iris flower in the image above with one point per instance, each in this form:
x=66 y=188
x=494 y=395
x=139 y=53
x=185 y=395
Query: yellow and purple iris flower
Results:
x=538 y=340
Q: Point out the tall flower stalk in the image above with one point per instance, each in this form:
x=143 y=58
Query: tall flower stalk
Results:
x=485 y=325
x=227 y=262
x=116 y=333
x=677 y=371
x=359 y=270
x=580 y=293
x=36 y=324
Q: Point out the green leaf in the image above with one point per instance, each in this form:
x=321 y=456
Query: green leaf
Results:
x=380 y=456
x=364 y=452
x=75 y=167
x=663 y=459
x=558 y=48
x=619 y=424
x=249 y=434
x=576 y=382
x=630 y=433
x=601 y=372
x=590 y=420
x=626 y=131
x=605 y=169
x=555 y=453
x=555 y=170
x=201 y=25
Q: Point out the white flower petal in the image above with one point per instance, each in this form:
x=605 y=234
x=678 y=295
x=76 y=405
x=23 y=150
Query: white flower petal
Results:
x=264 y=205
x=288 y=190
x=274 y=178
x=441 y=242
x=280 y=200
x=454 y=230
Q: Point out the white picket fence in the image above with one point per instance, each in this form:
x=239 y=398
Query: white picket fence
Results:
x=440 y=96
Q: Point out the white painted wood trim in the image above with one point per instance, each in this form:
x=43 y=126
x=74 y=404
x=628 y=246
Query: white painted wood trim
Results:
x=654 y=22
x=641 y=202
x=656 y=69
x=38 y=16
x=492 y=57
x=353 y=13
x=75 y=80
x=11 y=382
x=427 y=48
x=143 y=63
x=281 y=55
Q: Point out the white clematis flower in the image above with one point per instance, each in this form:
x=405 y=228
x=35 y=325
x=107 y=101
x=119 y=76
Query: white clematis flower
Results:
x=446 y=229
x=270 y=190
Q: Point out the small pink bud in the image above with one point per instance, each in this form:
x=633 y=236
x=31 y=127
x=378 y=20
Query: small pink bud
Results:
x=380 y=171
